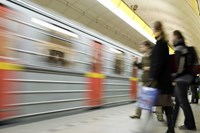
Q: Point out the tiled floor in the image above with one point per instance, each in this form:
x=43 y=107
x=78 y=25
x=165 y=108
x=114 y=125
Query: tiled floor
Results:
x=109 y=120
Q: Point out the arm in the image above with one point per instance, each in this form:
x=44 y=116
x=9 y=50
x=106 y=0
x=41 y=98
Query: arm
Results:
x=138 y=65
x=177 y=57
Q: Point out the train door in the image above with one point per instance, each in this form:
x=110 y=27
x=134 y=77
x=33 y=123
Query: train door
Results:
x=96 y=57
x=95 y=76
x=133 y=80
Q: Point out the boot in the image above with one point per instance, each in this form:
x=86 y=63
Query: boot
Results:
x=170 y=131
x=170 y=122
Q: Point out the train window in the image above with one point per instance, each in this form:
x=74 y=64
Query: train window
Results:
x=7 y=26
x=118 y=61
x=59 y=51
x=56 y=56
x=134 y=69
x=97 y=57
x=58 y=44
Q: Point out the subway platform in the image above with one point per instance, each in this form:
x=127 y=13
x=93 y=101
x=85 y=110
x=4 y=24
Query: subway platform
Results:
x=106 y=120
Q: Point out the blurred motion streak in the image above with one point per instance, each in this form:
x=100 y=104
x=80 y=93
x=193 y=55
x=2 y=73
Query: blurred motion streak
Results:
x=49 y=65
x=8 y=66
x=50 y=26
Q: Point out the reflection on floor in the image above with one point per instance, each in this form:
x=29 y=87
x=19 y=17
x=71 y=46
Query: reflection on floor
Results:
x=109 y=120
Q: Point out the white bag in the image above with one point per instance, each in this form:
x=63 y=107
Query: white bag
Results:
x=147 y=98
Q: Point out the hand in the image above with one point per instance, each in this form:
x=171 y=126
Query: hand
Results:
x=146 y=68
x=151 y=83
x=135 y=59
x=174 y=83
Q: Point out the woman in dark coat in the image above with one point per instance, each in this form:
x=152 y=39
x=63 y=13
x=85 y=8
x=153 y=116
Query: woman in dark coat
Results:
x=160 y=74
x=183 y=79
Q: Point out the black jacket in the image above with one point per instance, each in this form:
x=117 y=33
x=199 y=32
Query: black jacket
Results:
x=160 y=67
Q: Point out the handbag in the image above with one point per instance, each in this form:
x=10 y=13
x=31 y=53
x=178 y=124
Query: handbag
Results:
x=147 y=98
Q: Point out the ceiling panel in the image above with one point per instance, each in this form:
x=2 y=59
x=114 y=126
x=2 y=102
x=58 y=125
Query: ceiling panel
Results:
x=67 y=1
x=85 y=4
x=42 y=2
x=57 y=6
x=84 y=20
x=72 y=14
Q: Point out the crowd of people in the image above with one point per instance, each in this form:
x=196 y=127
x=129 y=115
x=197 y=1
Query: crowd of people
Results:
x=157 y=73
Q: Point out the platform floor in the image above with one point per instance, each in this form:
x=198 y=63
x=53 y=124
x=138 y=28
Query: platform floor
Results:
x=108 y=120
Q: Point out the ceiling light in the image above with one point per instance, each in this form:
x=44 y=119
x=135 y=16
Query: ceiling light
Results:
x=120 y=9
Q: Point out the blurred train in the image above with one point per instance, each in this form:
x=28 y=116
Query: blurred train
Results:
x=51 y=65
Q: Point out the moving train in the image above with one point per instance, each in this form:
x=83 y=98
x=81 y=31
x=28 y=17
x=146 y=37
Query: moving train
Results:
x=51 y=65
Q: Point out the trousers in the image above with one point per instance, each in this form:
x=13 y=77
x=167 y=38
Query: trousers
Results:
x=195 y=96
x=181 y=99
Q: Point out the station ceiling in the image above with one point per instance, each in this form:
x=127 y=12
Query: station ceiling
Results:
x=175 y=15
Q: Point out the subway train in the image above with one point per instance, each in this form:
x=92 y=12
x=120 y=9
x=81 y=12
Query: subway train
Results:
x=50 y=65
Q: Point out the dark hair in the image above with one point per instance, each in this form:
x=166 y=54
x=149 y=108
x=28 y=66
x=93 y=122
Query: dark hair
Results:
x=178 y=34
x=158 y=26
x=147 y=44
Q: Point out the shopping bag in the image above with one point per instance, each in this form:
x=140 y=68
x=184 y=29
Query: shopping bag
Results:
x=147 y=98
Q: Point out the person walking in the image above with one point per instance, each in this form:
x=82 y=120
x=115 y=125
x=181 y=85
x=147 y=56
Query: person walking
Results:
x=144 y=65
x=160 y=74
x=182 y=80
x=145 y=48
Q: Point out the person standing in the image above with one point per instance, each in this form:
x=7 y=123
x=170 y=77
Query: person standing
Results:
x=182 y=79
x=160 y=74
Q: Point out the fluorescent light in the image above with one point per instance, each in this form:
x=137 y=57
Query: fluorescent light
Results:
x=125 y=13
x=53 y=27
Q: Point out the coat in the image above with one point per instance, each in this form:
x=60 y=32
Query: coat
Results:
x=181 y=52
x=144 y=63
x=160 y=67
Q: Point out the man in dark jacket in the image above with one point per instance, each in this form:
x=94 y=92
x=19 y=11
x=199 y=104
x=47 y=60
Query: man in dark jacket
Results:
x=160 y=74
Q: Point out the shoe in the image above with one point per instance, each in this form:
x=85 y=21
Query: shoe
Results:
x=170 y=131
x=183 y=127
x=160 y=119
x=135 y=117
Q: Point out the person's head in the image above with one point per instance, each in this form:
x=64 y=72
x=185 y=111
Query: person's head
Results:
x=157 y=28
x=177 y=35
x=145 y=46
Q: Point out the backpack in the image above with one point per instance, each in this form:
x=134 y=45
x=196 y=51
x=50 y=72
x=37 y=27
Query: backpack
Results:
x=192 y=63
x=173 y=64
